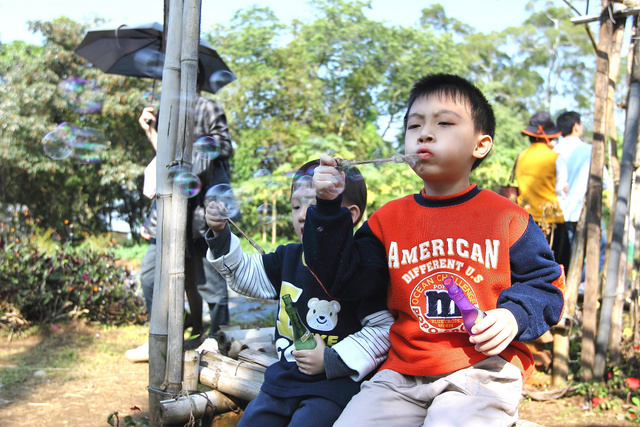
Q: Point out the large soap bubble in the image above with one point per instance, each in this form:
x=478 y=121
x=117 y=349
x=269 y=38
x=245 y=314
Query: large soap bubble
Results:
x=223 y=195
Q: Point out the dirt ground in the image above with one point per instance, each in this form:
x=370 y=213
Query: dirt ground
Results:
x=101 y=381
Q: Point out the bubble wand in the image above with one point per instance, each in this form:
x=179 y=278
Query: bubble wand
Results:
x=396 y=158
x=224 y=212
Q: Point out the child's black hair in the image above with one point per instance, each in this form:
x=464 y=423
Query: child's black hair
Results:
x=566 y=121
x=459 y=90
x=355 y=188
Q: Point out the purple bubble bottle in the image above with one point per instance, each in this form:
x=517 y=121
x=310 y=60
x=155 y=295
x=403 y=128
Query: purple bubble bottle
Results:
x=471 y=314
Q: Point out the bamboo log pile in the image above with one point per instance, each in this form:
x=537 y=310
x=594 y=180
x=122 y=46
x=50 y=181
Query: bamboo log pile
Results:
x=232 y=341
x=234 y=373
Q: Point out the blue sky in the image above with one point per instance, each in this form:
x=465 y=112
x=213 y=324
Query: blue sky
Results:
x=484 y=15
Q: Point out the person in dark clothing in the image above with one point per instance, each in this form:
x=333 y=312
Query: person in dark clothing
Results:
x=202 y=281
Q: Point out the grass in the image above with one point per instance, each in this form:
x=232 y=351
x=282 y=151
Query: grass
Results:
x=131 y=250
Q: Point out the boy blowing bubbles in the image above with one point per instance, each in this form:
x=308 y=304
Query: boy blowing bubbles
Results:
x=488 y=245
x=305 y=387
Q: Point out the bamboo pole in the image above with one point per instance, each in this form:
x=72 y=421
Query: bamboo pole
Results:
x=257 y=357
x=621 y=208
x=167 y=136
x=594 y=194
x=561 y=344
x=233 y=367
x=191 y=370
x=181 y=410
x=190 y=22
x=227 y=337
x=229 y=384
x=614 y=69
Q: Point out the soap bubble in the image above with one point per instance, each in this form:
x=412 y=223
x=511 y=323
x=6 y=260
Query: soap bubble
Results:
x=265 y=213
x=89 y=145
x=56 y=143
x=176 y=169
x=149 y=99
x=188 y=184
x=81 y=95
x=304 y=181
x=267 y=155
x=207 y=147
x=223 y=194
x=303 y=189
x=262 y=174
x=149 y=62
x=353 y=174
x=220 y=78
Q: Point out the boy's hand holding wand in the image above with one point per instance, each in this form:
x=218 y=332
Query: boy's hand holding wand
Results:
x=328 y=180
x=216 y=215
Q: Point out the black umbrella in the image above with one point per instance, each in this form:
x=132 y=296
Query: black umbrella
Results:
x=137 y=51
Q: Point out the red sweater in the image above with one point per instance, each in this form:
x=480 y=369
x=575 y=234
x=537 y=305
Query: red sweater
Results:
x=489 y=245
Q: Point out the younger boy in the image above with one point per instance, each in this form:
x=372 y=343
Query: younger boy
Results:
x=437 y=373
x=305 y=387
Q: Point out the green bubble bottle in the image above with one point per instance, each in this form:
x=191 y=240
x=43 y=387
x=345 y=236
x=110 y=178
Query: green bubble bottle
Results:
x=302 y=336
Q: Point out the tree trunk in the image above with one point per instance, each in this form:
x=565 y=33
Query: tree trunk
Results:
x=621 y=209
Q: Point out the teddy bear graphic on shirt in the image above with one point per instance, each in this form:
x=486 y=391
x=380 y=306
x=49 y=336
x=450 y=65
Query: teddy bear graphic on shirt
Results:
x=322 y=314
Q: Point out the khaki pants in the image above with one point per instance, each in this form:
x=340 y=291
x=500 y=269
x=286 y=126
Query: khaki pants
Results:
x=485 y=394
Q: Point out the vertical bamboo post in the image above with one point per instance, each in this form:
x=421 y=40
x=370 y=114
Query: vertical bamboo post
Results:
x=190 y=22
x=561 y=344
x=191 y=370
x=621 y=209
x=594 y=194
x=167 y=136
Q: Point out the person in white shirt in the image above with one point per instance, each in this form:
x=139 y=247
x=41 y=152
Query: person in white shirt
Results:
x=577 y=154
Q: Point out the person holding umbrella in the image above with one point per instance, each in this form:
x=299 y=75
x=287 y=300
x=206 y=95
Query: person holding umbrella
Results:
x=201 y=279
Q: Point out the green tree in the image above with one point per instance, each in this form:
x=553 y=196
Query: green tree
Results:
x=337 y=83
x=32 y=104
x=560 y=53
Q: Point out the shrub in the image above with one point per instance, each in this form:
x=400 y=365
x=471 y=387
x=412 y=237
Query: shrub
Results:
x=59 y=281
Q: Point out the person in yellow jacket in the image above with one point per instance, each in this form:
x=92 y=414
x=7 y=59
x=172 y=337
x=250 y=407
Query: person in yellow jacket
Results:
x=541 y=174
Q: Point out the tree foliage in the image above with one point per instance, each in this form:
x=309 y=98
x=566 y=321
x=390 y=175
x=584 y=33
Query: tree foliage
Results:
x=33 y=105
x=337 y=83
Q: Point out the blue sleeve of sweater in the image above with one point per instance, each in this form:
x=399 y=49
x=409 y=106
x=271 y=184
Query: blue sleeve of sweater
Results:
x=533 y=297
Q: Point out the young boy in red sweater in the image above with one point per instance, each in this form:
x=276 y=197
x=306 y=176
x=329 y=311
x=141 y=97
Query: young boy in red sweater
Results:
x=437 y=373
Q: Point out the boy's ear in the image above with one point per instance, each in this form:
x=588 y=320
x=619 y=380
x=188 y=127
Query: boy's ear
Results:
x=355 y=212
x=483 y=146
